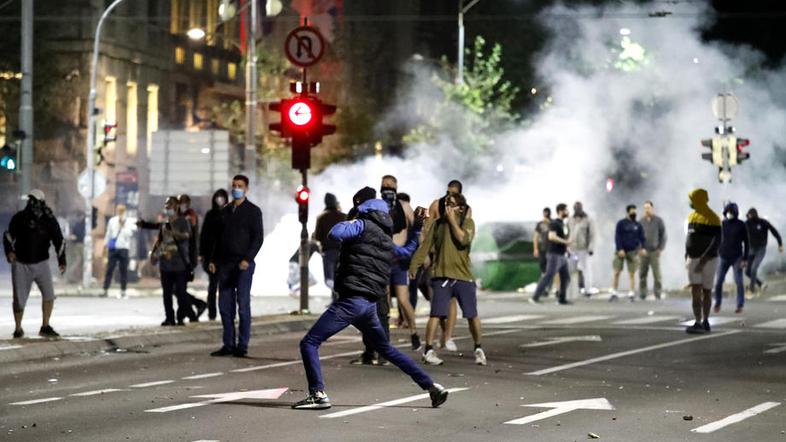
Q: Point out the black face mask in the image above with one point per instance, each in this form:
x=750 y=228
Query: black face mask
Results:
x=632 y=217
x=37 y=207
x=388 y=195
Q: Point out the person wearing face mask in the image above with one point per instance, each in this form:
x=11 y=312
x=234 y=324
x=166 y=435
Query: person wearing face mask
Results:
x=210 y=229
x=759 y=230
x=701 y=255
x=629 y=241
x=734 y=251
x=171 y=253
x=119 y=233
x=30 y=234
x=556 y=257
x=582 y=231
x=240 y=238
x=185 y=210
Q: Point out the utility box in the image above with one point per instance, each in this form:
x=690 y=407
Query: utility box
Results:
x=196 y=163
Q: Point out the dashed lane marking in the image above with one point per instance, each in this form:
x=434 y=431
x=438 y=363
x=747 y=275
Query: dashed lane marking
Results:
x=734 y=418
x=629 y=352
x=97 y=392
x=202 y=376
x=9 y=347
x=381 y=405
x=273 y=393
x=647 y=320
x=717 y=320
x=576 y=320
x=37 y=401
x=778 y=323
x=508 y=319
x=778 y=298
x=151 y=384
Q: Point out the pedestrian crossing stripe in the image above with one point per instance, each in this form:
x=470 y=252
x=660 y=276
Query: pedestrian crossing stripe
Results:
x=778 y=323
x=778 y=298
x=716 y=320
x=647 y=320
x=576 y=320
x=513 y=318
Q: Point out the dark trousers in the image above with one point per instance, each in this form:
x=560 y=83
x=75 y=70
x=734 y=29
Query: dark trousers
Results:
x=174 y=284
x=329 y=267
x=235 y=300
x=723 y=267
x=117 y=257
x=756 y=257
x=383 y=316
x=363 y=314
x=555 y=263
x=212 y=289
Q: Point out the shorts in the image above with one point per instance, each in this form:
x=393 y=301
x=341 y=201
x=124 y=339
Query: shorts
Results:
x=706 y=277
x=24 y=275
x=398 y=275
x=444 y=289
x=631 y=259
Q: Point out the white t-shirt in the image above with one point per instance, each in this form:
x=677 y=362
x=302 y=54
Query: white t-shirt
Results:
x=123 y=233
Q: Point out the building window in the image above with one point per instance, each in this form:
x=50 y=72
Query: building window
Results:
x=180 y=55
x=198 y=61
x=132 y=131
x=152 y=115
x=174 y=24
x=232 y=71
x=110 y=99
x=212 y=17
x=215 y=67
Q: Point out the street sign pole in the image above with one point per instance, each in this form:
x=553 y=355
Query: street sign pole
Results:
x=26 y=99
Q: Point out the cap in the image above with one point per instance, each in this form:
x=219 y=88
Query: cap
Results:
x=363 y=195
x=37 y=194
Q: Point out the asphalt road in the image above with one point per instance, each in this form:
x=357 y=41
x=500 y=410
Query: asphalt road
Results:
x=639 y=375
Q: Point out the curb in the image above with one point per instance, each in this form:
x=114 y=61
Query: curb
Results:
x=34 y=350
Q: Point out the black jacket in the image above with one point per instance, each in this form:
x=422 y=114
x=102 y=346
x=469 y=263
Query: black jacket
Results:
x=364 y=263
x=325 y=221
x=29 y=237
x=734 y=240
x=758 y=230
x=211 y=229
x=241 y=234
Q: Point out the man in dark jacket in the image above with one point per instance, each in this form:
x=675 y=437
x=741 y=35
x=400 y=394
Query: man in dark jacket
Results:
x=701 y=254
x=758 y=231
x=367 y=250
x=241 y=238
x=329 y=248
x=27 y=240
x=733 y=252
x=629 y=241
x=210 y=231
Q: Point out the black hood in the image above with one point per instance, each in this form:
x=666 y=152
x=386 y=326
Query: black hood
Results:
x=382 y=219
x=219 y=192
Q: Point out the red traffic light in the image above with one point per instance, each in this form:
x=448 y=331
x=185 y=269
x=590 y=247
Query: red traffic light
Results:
x=302 y=195
x=300 y=113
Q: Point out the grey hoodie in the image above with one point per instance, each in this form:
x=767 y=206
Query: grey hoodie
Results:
x=582 y=233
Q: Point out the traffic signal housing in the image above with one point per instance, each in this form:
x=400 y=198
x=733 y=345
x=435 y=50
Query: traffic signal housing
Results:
x=8 y=158
x=110 y=132
x=302 y=196
x=302 y=120
x=743 y=154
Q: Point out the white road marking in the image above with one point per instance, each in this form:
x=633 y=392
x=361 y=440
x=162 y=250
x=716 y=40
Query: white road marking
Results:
x=9 y=347
x=734 y=418
x=508 y=319
x=273 y=393
x=558 y=408
x=778 y=298
x=151 y=384
x=97 y=392
x=716 y=320
x=778 y=323
x=380 y=405
x=202 y=376
x=779 y=348
x=646 y=320
x=562 y=340
x=37 y=401
x=629 y=352
x=576 y=320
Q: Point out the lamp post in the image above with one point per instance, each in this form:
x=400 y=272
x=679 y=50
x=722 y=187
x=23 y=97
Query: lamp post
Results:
x=87 y=271
x=251 y=95
x=461 y=11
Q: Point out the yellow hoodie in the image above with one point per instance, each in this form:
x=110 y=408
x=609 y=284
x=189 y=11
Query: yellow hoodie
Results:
x=704 y=227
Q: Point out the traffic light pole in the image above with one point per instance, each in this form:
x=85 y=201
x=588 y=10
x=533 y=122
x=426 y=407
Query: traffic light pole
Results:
x=304 y=252
x=26 y=99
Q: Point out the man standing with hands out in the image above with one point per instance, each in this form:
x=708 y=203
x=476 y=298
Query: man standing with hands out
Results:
x=241 y=238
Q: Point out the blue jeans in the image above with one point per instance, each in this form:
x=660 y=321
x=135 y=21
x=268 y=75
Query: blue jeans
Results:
x=757 y=256
x=235 y=298
x=723 y=267
x=362 y=313
x=555 y=263
x=329 y=266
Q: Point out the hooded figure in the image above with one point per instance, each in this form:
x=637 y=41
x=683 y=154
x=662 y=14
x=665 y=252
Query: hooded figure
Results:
x=211 y=229
x=734 y=251
x=701 y=250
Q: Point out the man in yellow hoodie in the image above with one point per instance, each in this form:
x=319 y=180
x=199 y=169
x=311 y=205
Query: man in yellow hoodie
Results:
x=701 y=254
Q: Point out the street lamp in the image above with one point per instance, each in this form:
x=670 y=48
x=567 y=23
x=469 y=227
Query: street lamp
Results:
x=196 y=33
x=87 y=271
x=462 y=10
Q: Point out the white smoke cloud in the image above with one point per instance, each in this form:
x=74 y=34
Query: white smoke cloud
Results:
x=641 y=127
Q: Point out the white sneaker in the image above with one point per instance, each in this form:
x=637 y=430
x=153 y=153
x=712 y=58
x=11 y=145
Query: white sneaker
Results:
x=430 y=358
x=450 y=345
x=480 y=356
x=631 y=296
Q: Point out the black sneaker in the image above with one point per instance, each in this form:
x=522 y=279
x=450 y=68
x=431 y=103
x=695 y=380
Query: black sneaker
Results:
x=706 y=325
x=564 y=302
x=19 y=333
x=240 y=353
x=223 y=351
x=313 y=402
x=416 y=345
x=695 y=329
x=167 y=323
x=439 y=395
x=201 y=309
x=48 y=332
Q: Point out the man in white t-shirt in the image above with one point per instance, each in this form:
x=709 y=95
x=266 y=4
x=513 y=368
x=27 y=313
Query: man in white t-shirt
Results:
x=119 y=233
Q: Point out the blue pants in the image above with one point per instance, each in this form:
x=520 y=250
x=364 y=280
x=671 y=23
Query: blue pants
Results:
x=723 y=267
x=757 y=256
x=235 y=298
x=362 y=313
x=555 y=263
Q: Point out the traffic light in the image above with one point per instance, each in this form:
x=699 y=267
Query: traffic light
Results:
x=110 y=132
x=322 y=110
x=742 y=154
x=8 y=159
x=716 y=146
x=302 y=196
x=302 y=121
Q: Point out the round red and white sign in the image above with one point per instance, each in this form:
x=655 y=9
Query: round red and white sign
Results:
x=304 y=46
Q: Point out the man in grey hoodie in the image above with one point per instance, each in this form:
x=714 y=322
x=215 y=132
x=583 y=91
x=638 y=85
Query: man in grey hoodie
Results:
x=582 y=236
x=655 y=242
